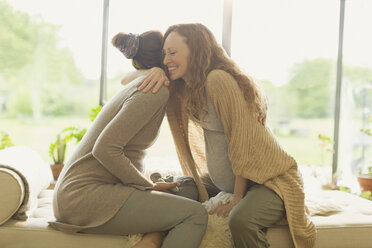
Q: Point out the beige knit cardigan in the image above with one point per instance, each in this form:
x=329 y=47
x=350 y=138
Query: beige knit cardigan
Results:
x=253 y=151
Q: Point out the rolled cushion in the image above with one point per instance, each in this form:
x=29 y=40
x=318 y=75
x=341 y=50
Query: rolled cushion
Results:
x=34 y=173
x=11 y=194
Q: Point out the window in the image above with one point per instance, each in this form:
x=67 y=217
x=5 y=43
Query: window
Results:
x=49 y=69
x=291 y=48
x=355 y=147
x=50 y=66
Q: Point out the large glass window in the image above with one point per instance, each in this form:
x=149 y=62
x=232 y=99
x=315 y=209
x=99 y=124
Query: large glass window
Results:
x=291 y=48
x=143 y=15
x=49 y=68
x=355 y=147
x=50 y=65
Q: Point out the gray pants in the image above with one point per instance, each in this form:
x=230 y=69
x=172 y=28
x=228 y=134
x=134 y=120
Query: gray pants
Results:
x=149 y=211
x=259 y=209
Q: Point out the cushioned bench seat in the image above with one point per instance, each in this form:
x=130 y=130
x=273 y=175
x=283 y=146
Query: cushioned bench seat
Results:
x=352 y=227
x=35 y=232
x=349 y=228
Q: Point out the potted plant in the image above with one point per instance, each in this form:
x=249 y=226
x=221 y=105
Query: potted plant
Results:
x=57 y=149
x=5 y=140
x=365 y=178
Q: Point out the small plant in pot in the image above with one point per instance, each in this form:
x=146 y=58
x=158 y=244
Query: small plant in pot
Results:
x=365 y=178
x=57 y=149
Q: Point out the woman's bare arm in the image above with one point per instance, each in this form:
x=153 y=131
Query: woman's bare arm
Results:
x=240 y=189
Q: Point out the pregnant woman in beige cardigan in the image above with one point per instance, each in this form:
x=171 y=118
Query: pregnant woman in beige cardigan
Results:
x=102 y=189
x=242 y=155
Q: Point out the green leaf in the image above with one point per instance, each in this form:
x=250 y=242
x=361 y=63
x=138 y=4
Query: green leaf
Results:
x=94 y=113
x=57 y=149
x=367 y=194
x=5 y=140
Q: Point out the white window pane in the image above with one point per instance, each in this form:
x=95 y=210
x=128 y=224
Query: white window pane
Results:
x=50 y=68
x=355 y=146
x=291 y=47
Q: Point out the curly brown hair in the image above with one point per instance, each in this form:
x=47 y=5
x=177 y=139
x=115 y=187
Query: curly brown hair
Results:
x=207 y=55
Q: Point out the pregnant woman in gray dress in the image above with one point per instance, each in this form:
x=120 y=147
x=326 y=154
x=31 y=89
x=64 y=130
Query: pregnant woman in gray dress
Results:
x=102 y=189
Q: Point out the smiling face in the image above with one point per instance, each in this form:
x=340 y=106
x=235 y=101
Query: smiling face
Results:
x=176 y=56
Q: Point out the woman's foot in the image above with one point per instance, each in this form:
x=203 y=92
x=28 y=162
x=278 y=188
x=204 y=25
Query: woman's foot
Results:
x=150 y=240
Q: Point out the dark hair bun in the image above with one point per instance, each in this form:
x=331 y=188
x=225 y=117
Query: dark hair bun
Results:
x=119 y=40
x=128 y=44
x=145 y=50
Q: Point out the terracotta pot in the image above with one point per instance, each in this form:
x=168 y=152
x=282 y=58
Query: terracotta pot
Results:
x=365 y=182
x=56 y=170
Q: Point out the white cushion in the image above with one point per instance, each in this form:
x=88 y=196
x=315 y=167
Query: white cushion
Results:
x=35 y=232
x=11 y=194
x=33 y=172
x=352 y=227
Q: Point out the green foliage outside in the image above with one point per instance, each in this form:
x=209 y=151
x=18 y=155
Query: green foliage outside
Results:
x=45 y=92
x=311 y=89
x=367 y=195
x=39 y=134
x=35 y=71
x=5 y=140
x=39 y=78
x=369 y=133
x=94 y=113
x=326 y=146
x=17 y=40
x=367 y=130
x=369 y=172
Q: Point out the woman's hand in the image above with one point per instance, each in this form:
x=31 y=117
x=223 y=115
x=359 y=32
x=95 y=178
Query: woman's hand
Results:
x=223 y=210
x=240 y=189
x=165 y=187
x=155 y=78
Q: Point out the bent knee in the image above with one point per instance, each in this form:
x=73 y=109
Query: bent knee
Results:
x=234 y=221
x=200 y=214
x=238 y=222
